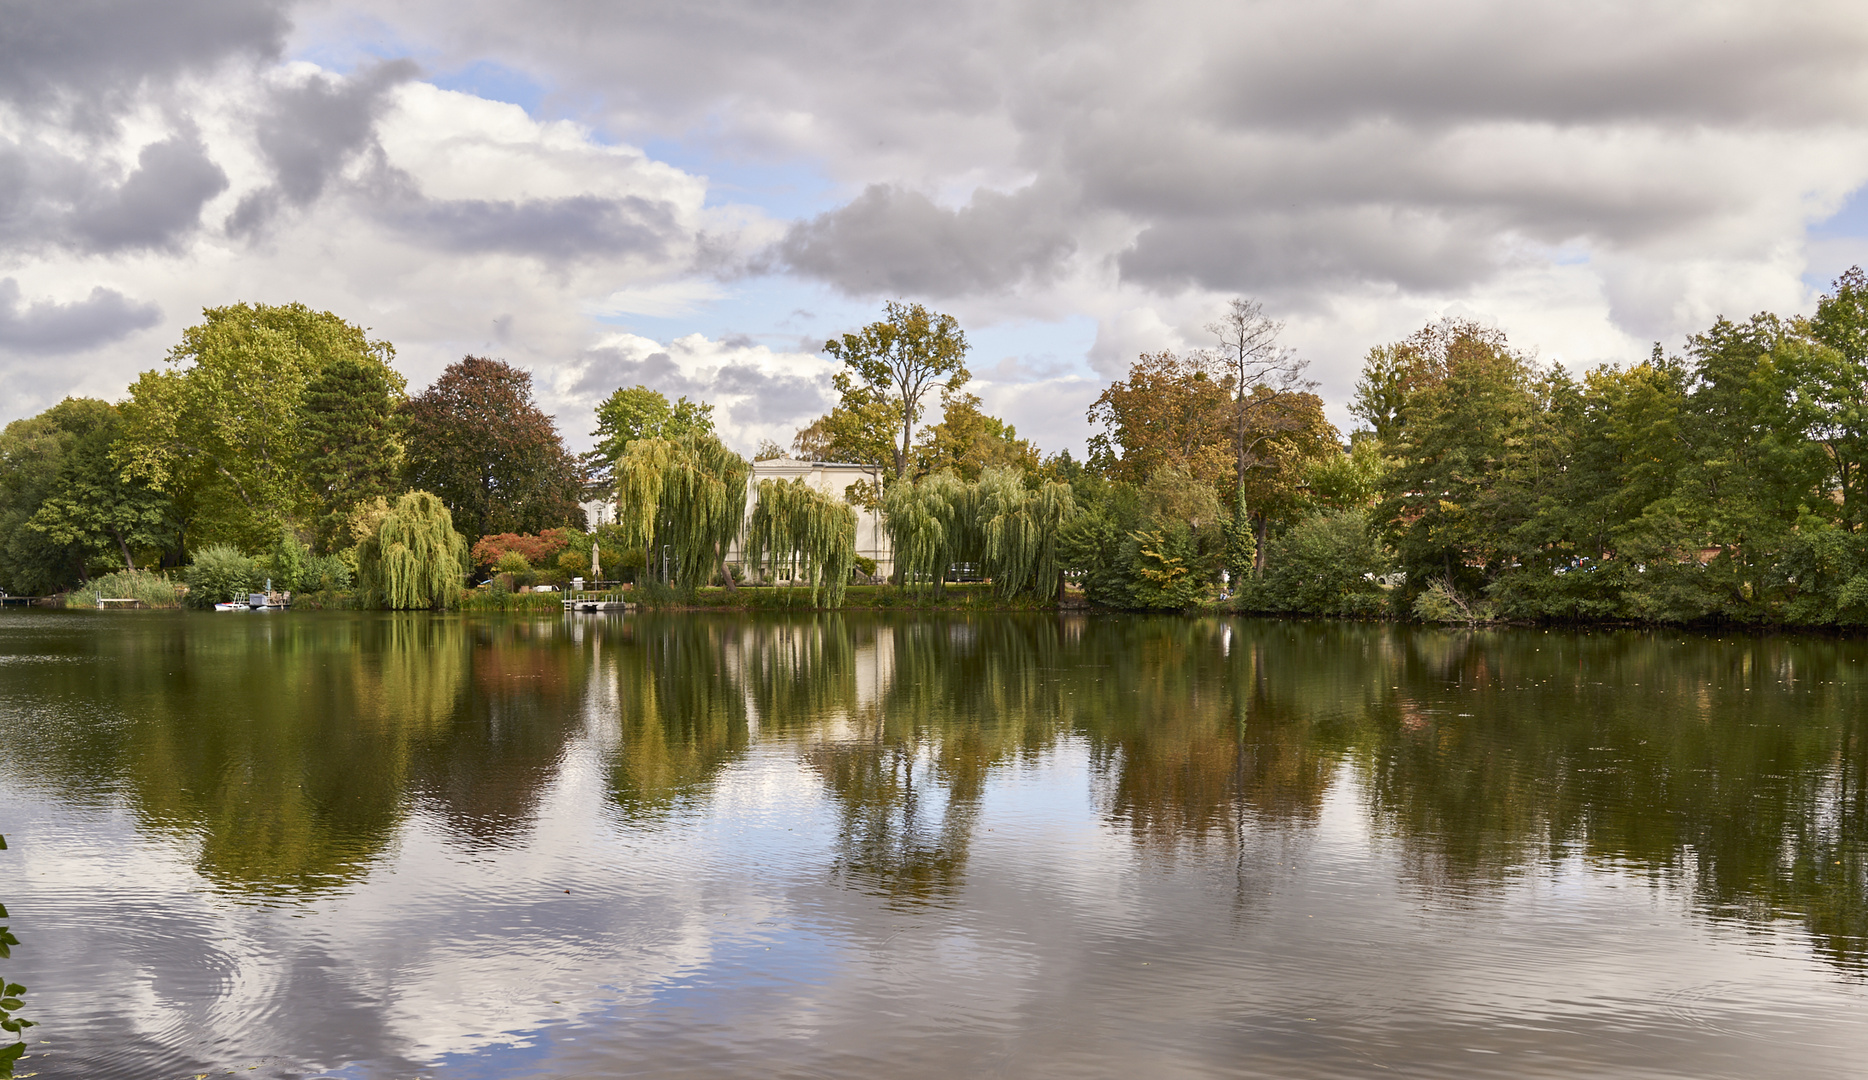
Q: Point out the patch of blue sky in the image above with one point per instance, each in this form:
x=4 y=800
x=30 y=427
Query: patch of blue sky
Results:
x=1836 y=243
x=495 y=82
x=360 y=40
x=1849 y=220
x=786 y=190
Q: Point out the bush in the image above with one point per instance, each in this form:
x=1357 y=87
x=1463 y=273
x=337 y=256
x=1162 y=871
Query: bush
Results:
x=152 y=589
x=324 y=573
x=1440 y=602
x=537 y=550
x=221 y=573
x=1326 y=564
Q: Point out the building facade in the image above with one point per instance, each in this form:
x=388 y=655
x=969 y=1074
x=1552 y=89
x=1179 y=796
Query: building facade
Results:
x=833 y=479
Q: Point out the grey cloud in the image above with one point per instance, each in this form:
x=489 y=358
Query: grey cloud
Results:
x=1273 y=254
x=889 y=240
x=607 y=369
x=50 y=198
x=1277 y=129
x=96 y=52
x=45 y=328
x=156 y=204
x=770 y=399
x=309 y=132
x=551 y=229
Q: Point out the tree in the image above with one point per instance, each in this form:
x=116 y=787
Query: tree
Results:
x=33 y=455
x=898 y=360
x=969 y=442
x=1839 y=386
x=1168 y=414
x=351 y=448
x=93 y=511
x=686 y=494
x=479 y=443
x=858 y=430
x=637 y=412
x=415 y=560
x=800 y=532
x=222 y=431
x=1468 y=405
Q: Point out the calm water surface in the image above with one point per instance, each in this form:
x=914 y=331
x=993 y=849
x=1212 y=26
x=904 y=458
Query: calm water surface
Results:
x=371 y=846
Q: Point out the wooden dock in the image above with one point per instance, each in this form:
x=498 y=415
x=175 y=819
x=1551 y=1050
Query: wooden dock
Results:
x=598 y=605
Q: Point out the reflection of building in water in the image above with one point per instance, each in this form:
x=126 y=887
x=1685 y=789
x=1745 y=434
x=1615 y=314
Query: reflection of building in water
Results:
x=875 y=668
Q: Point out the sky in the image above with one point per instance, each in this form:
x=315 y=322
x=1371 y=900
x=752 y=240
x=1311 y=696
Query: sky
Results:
x=694 y=195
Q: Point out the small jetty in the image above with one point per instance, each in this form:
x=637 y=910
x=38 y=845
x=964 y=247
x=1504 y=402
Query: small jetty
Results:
x=598 y=596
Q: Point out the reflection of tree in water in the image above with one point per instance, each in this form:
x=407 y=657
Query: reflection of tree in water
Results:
x=682 y=714
x=1734 y=766
x=289 y=749
x=487 y=766
x=1189 y=740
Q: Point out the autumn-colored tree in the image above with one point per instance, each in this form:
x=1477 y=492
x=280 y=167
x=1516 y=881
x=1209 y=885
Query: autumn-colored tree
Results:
x=479 y=442
x=969 y=442
x=895 y=362
x=858 y=430
x=1169 y=413
x=540 y=549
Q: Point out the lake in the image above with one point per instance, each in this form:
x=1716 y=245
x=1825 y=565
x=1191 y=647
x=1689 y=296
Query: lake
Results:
x=375 y=846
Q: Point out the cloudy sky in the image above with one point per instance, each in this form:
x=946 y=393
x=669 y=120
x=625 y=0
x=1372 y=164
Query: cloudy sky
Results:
x=695 y=194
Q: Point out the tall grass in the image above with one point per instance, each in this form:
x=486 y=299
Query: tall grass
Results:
x=153 y=590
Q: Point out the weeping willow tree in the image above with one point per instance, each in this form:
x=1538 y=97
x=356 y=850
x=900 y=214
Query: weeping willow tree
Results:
x=998 y=522
x=687 y=494
x=414 y=559
x=799 y=532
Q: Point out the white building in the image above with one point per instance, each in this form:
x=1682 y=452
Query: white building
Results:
x=834 y=480
x=831 y=478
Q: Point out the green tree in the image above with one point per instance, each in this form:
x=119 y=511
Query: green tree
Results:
x=637 y=412
x=1451 y=499
x=686 y=495
x=351 y=450
x=221 y=431
x=858 y=430
x=63 y=503
x=1839 y=387
x=898 y=360
x=94 y=512
x=415 y=560
x=478 y=441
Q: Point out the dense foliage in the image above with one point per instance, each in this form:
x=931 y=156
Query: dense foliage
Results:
x=415 y=560
x=680 y=504
x=478 y=441
x=798 y=533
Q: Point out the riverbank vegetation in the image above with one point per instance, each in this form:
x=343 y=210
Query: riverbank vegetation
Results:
x=278 y=446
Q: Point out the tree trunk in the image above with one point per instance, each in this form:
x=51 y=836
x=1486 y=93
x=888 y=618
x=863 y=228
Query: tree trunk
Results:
x=128 y=562
x=1261 y=527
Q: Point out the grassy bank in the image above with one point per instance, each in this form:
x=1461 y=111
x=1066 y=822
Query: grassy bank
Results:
x=970 y=597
